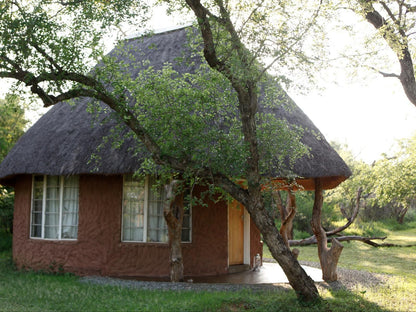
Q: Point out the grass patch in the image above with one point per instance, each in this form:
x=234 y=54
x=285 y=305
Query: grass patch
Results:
x=31 y=291
x=399 y=262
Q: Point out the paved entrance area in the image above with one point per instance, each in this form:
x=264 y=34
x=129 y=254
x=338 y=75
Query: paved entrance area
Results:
x=269 y=273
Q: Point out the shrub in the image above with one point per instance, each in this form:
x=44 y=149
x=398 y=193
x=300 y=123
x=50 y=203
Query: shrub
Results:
x=6 y=209
x=5 y=241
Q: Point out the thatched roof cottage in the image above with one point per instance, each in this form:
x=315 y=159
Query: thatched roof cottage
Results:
x=93 y=218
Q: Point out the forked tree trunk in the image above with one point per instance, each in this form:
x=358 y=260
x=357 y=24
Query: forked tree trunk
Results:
x=173 y=213
x=401 y=215
x=328 y=257
x=287 y=214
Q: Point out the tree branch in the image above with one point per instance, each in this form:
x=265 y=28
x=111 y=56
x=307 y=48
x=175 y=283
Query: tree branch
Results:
x=407 y=74
x=352 y=218
x=45 y=55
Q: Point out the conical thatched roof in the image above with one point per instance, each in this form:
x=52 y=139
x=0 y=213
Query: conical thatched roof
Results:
x=63 y=140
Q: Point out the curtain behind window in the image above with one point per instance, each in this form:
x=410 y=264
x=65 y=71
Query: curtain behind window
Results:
x=70 y=207
x=52 y=208
x=156 y=228
x=133 y=209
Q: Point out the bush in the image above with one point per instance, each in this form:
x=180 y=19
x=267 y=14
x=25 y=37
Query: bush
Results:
x=5 y=241
x=6 y=209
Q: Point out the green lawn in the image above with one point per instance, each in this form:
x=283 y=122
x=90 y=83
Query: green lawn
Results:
x=30 y=291
x=400 y=262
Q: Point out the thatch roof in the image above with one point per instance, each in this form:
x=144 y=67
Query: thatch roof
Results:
x=63 y=140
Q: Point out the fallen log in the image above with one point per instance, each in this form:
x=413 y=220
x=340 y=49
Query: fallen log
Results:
x=367 y=240
x=312 y=240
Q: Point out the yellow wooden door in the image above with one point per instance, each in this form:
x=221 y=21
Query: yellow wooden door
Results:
x=235 y=233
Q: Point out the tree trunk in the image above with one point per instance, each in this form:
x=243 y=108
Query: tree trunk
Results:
x=328 y=257
x=402 y=214
x=303 y=285
x=173 y=213
x=246 y=89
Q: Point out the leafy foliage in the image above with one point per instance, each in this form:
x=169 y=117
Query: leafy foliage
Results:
x=12 y=124
x=6 y=216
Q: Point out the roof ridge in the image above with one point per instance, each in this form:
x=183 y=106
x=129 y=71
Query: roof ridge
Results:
x=158 y=31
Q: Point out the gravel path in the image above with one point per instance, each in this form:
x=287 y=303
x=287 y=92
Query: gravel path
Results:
x=351 y=279
x=167 y=286
x=347 y=279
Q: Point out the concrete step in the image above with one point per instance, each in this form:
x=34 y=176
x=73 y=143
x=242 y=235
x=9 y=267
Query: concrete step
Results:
x=238 y=268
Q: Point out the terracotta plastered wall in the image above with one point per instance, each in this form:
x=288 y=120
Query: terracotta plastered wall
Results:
x=99 y=250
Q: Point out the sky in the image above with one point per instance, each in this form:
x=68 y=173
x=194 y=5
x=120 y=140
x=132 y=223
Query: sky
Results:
x=367 y=115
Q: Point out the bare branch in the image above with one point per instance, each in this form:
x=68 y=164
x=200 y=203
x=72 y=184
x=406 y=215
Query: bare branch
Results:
x=352 y=218
x=289 y=48
x=387 y=75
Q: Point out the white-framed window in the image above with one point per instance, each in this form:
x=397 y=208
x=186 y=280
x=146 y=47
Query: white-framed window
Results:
x=55 y=201
x=143 y=219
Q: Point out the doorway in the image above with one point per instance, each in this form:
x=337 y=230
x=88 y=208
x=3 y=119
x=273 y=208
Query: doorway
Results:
x=238 y=234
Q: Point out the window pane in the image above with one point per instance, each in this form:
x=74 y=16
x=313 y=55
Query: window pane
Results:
x=156 y=224
x=137 y=234
x=37 y=218
x=51 y=232
x=36 y=231
x=186 y=235
x=133 y=209
x=36 y=221
x=185 y=222
x=52 y=181
x=70 y=208
x=71 y=181
x=37 y=205
x=52 y=219
x=53 y=209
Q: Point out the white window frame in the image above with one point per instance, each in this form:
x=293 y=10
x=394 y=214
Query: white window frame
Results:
x=61 y=195
x=145 y=217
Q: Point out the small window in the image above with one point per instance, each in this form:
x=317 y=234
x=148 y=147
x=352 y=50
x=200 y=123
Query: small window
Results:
x=54 y=207
x=143 y=219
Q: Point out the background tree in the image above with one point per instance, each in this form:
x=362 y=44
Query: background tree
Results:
x=395 y=179
x=394 y=22
x=388 y=184
x=344 y=196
